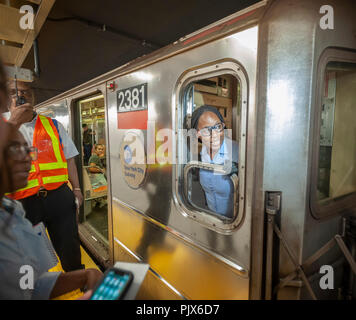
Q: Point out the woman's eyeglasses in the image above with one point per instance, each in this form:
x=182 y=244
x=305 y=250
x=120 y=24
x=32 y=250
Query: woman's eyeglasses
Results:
x=206 y=131
x=19 y=152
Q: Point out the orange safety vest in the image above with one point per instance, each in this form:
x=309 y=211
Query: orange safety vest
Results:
x=50 y=170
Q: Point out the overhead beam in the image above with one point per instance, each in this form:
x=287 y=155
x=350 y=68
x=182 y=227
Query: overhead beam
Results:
x=8 y=54
x=10 y=25
x=34 y=1
x=19 y=73
x=22 y=54
x=41 y=15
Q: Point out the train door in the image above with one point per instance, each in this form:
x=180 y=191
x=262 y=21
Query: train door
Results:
x=91 y=140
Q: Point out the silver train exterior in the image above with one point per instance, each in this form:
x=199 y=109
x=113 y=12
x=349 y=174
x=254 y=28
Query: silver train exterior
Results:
x=278 y=51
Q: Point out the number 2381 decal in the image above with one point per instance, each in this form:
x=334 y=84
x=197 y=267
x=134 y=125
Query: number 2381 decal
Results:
x=132 y=99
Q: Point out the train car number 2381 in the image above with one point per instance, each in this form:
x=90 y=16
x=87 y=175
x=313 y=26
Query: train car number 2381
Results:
x=132 y=99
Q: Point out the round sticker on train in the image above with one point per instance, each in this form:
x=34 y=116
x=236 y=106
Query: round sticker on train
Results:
x=127 y=154
x=133 y=159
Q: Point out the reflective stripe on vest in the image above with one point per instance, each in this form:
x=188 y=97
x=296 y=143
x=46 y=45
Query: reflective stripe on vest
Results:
x=52 y=174
x=30 y=184
x=53 y=166
x=55 y=179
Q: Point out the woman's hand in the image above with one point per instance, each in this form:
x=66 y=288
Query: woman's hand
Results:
x=73 y=280
x=93 y=276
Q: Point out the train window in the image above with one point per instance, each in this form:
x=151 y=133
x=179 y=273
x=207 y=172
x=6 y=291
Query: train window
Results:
x=336 y=174
x=210 y=149
x=93 y=162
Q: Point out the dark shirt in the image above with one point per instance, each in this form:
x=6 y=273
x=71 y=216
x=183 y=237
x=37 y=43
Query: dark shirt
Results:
x=86 y=138
x=97 y=160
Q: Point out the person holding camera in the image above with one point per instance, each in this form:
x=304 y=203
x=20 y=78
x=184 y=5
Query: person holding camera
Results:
x=47 y=197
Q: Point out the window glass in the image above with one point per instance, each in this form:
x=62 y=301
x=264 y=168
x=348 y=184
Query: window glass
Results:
x=210 y=174
x=337 y=150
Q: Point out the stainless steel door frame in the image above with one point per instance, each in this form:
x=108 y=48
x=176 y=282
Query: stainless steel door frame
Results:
x=71 y=102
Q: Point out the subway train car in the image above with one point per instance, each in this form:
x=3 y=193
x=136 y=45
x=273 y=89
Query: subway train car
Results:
x=283 y=76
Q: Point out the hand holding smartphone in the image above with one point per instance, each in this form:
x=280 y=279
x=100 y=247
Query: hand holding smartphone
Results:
x=21 y=110
x=113 y=285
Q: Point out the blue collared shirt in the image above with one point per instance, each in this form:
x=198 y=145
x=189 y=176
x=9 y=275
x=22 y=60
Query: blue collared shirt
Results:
x=21 y=247
x=218 y=188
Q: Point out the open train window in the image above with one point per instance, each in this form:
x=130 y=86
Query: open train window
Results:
x=211 y=151
x=335 y=176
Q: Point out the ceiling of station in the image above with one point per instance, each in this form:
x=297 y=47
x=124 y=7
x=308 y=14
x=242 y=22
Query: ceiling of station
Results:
x=17 y=36
x=79 y=40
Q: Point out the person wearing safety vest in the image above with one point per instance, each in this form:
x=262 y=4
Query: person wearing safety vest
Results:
x=47 y=197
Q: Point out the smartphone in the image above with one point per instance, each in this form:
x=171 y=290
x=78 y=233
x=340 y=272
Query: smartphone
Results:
x=113 y=285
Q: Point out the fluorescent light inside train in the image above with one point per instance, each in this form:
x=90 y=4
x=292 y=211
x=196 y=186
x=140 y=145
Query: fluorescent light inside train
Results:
x=92 y=99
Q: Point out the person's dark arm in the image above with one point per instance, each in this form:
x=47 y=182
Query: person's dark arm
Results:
x=94 y=168
x=74 y=180
x=73 y=280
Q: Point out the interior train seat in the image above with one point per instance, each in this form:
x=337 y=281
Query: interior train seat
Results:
x=95 y=184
